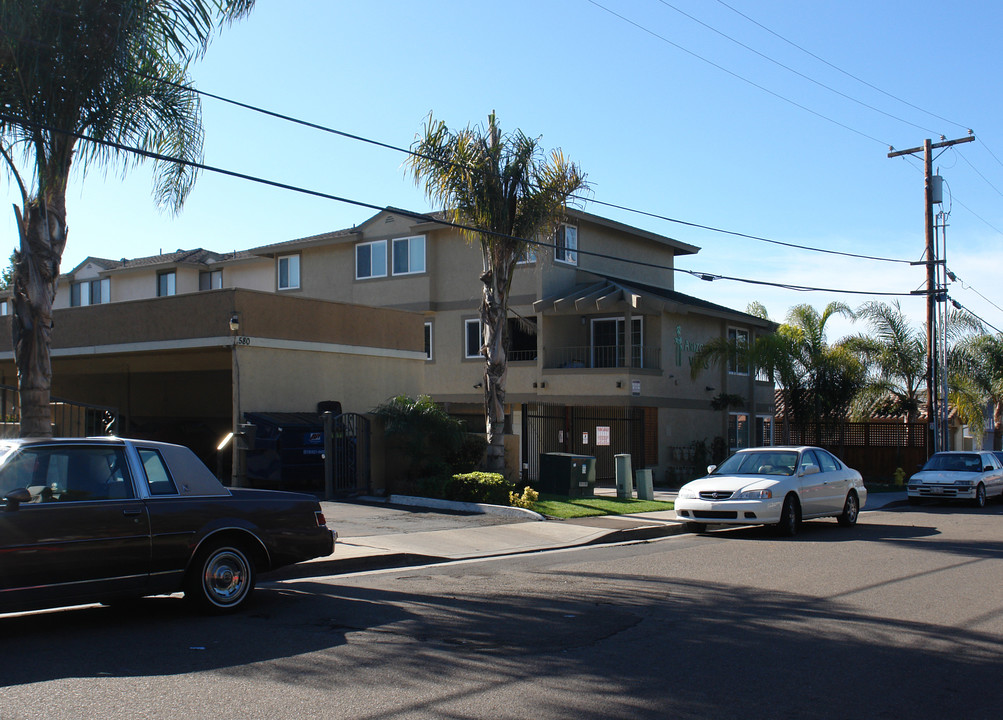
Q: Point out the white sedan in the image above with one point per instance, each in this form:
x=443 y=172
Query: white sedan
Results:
x=773 y=486
x=956 y=475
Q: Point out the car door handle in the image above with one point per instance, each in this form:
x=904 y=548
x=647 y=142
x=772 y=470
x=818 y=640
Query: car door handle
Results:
x=129 y=513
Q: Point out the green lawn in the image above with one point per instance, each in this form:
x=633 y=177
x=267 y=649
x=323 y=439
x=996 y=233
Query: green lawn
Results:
x=562 y=507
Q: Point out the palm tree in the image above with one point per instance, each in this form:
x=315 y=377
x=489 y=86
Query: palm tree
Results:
x=502 y=186
x=978 y=378
x=76 y=75
x=895 y=354
x=817 y=381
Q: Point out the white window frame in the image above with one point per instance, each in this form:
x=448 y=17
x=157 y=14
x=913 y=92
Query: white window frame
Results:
x=429 y=339
x=737 y=367
x=528 y=256
x=566 y=244
x=412 y=256
x=624 y=341
x=372 y=273
x=293 y=267
x=738 y=445
x=172 y=285
x=215 y=278
x=466 y=338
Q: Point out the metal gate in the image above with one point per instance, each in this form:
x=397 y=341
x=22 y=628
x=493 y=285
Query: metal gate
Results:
x=347 y=467
x=69 y=418
x=601 y=432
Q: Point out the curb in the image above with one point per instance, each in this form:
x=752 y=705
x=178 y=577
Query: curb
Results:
x=333 y=565
x=476 y=508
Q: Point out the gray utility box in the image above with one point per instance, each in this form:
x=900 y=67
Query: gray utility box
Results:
x=566 y=474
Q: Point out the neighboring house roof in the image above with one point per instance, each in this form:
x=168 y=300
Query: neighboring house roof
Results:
x=609 y=292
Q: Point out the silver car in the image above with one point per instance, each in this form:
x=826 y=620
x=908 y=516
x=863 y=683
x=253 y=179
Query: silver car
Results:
x=958 y=475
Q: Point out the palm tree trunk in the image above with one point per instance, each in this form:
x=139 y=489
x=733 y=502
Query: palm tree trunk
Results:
x=36 y=268
x=494 y=313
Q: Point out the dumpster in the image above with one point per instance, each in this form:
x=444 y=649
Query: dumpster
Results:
x=567 y=474
x=287 y=451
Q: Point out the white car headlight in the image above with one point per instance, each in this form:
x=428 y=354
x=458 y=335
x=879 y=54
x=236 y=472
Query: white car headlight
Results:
x=685 y=494
x=755 y=495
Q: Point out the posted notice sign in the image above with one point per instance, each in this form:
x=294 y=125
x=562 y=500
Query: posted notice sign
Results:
x=602 y=435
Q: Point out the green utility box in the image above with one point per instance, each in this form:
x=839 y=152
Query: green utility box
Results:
x=567 y=474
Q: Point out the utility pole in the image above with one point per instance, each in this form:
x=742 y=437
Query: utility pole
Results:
x=933 y=291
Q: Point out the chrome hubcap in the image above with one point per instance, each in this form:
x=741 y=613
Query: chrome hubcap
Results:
x=225 y=578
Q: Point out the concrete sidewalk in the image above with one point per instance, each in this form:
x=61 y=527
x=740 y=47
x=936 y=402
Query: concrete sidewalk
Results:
x=405 y=531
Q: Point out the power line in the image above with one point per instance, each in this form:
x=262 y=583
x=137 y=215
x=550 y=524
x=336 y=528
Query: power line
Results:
x=841 y=70
x=736 y=75
x=416 y=215
x=796 y=72
x=407 y=151
x=974 y=314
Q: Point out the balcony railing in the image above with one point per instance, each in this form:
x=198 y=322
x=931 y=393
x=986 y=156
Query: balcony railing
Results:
x=604 y=356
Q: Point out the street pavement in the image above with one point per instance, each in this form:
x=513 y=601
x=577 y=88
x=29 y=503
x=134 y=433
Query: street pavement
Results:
x=399 y=531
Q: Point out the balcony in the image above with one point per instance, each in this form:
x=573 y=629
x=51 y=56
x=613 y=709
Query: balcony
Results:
x=603 y=356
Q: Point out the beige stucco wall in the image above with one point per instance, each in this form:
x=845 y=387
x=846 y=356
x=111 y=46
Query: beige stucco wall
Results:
x=295 y=381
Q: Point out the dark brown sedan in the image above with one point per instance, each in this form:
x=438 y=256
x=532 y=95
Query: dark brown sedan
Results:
x=98 y=520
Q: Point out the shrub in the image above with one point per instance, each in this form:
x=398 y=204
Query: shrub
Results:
x=478 y=487
x=526 y=500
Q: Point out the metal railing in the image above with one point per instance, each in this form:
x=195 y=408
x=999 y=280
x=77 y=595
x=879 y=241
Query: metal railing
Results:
x=69 y=418
x=604 y=356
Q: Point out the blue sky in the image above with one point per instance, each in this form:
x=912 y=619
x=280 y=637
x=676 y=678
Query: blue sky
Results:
x=664 y=114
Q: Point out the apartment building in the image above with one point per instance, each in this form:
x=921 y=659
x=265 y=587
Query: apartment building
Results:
x=600 y=340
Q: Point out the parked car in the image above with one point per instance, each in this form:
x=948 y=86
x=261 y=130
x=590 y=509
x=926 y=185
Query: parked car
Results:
x=958 y=475
x=104 y=519
x=773 y=486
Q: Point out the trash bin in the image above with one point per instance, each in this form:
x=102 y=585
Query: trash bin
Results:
x=572 y=476
x=288 y=450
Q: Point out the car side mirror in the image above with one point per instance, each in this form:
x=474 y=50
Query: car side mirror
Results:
x=809 y=470
x=711 y=468
x=987 y=468
x=15 y=497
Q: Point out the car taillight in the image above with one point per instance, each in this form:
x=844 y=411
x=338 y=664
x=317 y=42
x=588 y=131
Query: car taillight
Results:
x=321 y=520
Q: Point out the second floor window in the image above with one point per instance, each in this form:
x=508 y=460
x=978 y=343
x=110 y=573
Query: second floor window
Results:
x=736 y=363
x=409 y=255
x=167 y=284
x=289 y=272
x=566 y=245
x=90 y=292
x=371 y=260
x=474 y=337
x=211 y=280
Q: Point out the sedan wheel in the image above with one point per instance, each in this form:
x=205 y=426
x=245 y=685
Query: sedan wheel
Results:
x=220 y=579
x=790 y=517
x=851 y=509
x=980 y=496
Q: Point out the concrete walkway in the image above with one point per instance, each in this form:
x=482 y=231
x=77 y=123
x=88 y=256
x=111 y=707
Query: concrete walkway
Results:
x=400 y=531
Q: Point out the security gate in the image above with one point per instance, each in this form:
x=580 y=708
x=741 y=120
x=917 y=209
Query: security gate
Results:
x=602 y=432
x=347 y=467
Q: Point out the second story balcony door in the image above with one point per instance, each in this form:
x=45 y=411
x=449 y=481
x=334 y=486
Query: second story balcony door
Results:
x=611 y=347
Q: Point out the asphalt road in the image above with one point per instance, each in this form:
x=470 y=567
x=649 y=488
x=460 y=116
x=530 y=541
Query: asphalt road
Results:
x=899 y=617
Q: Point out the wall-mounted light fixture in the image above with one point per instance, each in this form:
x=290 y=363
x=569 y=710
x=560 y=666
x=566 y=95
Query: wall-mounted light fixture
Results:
x=478 y=385
x=709 y=389
x=234 y=322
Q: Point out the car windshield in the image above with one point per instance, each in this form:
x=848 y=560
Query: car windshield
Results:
x=774 y=462
x=957 y=462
